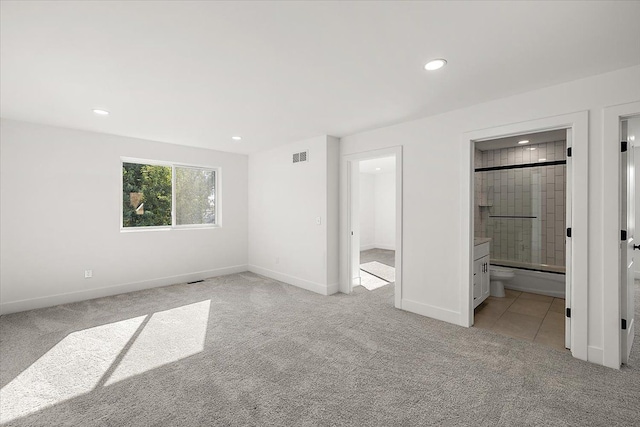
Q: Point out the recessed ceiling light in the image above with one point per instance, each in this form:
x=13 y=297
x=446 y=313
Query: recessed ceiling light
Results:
x=236 y=138
x=532 y=148
x=524 y=141
x=542 y=160
x=435 y=64
x=101 y=112
x=632 y=138
x=377 y=169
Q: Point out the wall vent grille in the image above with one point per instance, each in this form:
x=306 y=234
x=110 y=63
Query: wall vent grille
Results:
x=301 y=157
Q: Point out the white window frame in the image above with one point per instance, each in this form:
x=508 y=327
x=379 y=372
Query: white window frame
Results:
x=173 y=166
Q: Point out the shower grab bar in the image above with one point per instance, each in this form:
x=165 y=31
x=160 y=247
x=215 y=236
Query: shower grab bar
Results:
x=512 y=216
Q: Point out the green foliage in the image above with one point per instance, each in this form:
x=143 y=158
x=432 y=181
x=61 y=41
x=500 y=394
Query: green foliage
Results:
x=195 y=203
x=154 y=184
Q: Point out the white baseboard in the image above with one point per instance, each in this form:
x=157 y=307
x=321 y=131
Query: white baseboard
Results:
x=391 y=247
x=65 y=298
x=333 y=288
x=534 y=290
x=318 y=288
x=378 y=246
x=595 y=355
x=434 y=312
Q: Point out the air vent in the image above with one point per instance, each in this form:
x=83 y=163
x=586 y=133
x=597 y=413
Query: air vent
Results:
x=300 y=157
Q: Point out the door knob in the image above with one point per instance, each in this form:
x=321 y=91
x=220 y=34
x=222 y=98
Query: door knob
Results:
x=636 y=247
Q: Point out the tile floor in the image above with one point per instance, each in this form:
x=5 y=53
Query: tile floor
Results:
x=530 y=317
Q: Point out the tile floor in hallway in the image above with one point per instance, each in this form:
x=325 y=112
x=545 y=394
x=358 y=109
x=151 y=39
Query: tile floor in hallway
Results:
x=530 y=317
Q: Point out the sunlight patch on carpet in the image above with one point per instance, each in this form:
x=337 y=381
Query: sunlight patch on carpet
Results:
x=383 y=271
x=371 y=282
x=74 y=366
x=169 y=336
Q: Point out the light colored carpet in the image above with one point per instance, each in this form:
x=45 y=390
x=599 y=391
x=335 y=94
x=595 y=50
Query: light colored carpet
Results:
x=384 y=256
x=245 y=350
x=381 y=270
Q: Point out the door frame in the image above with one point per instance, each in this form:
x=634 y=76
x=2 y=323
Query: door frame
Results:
x=577 y=265
x=612 y=295
x=347 y=216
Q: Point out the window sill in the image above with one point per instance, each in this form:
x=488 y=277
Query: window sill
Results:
x=179 y=227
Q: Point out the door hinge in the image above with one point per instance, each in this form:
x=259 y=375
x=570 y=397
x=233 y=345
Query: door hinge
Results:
x=568 y=312
x=569 y=232
x=623 y=235
x=623 y=146
x=569 y=152
x=624 y=323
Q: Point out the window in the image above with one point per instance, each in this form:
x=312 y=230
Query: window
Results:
x=168 y=195
x=195 y=196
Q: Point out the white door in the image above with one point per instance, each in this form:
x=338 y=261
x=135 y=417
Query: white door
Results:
x=627 y=242
x=354 y=219
x=568 y=250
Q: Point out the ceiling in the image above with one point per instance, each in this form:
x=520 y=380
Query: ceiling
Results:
x=513 y=141
x=377 y=166
x=197 y=73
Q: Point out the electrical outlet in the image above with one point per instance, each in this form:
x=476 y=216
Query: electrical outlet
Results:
x=318 y=220
x=88 y=274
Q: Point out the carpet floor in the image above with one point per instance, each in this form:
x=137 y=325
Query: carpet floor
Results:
x=247 y=350
x=383 y=256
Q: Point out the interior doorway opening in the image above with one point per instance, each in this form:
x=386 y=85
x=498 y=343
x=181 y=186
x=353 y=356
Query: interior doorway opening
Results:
x=373 y=241
x=629 y=268
x=521 y=227
x=377 y=222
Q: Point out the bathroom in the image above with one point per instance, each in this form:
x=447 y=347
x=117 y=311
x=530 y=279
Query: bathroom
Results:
x=520 y=228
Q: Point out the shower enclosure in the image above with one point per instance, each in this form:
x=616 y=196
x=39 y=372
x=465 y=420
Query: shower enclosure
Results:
x=520 y=203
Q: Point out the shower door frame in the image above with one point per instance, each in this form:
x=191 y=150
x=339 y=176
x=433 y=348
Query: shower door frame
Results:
x=577 y=197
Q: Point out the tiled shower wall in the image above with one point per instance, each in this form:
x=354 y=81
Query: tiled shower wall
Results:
x=537 y=192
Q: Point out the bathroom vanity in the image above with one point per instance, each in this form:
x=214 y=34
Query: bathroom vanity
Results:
x=481 y=280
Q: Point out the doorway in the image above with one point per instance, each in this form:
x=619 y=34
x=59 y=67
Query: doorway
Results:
x=377 y=210
x=620 y=135
x=522 y=205
x=372 y=233
x=629 y=129
x=576 y=274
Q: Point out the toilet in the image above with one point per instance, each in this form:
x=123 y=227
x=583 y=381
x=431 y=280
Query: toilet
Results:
x=498 y=276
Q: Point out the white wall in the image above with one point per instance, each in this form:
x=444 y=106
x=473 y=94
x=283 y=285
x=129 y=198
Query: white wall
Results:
x=431 y=183
x=377 y=211
x=60 y=214
x=367 y=211
x=385 y=210
x=332 y=222
x=285 y=202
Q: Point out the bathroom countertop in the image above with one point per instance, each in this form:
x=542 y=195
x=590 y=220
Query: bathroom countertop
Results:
x=480 y=240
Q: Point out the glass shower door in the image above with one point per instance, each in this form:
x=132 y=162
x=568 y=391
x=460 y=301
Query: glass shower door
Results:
x=522 y=209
